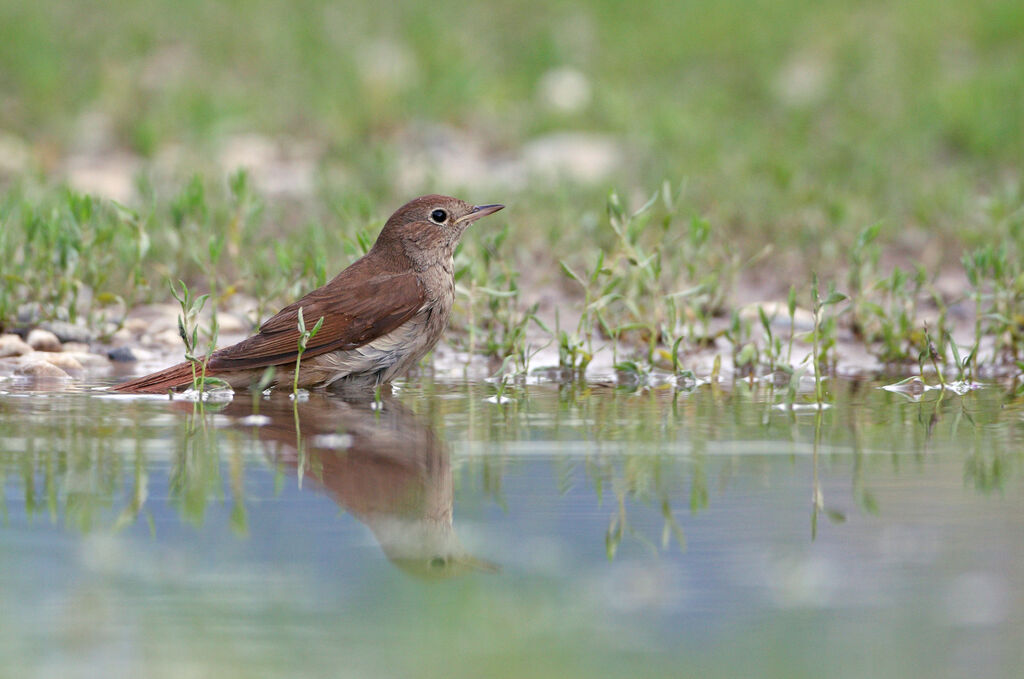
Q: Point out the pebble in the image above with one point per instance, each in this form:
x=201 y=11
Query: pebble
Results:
x=43 y=340
x=76 y=347
x=27 y=313
x=152 y=319
x=443 y=155
x=65 y=362
x=110 y=175
x=40 y=369
x=565 y=90
x=87 y=358
x=168 y=338
x=15 y=155
x=228 y=324
x=12 y=345
x=132 y=328
x=122 y=355
x=67 y=332
x=576 y=156
x=122 y=337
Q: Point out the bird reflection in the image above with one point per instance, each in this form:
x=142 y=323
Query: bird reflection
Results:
x=380 y=463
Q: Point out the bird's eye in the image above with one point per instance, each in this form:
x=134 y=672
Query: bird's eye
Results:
x=438 y=216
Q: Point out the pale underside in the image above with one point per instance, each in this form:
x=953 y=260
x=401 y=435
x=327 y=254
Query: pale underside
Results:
x=376 y=362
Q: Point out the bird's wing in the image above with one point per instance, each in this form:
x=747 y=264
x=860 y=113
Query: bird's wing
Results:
x=356 y=310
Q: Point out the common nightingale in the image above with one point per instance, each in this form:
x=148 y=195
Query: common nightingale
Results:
x=381 y=315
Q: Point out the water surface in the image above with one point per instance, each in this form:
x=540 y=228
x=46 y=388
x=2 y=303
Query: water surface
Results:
x=574 y=531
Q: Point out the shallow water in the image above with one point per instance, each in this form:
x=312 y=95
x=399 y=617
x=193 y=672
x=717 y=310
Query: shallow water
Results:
x=573 y=531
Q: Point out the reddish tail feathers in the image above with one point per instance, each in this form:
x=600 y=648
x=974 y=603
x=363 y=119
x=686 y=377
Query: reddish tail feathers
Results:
x=159 y=382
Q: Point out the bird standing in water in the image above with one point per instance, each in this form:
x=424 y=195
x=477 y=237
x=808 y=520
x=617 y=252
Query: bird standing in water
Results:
x=381 y=315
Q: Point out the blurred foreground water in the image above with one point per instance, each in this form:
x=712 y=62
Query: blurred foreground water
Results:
x=573 y=531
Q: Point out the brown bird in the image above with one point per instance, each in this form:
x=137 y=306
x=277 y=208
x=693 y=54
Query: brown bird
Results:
x=381 y=315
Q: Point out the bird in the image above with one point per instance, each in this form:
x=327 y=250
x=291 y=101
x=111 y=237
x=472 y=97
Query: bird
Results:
x=381 y=315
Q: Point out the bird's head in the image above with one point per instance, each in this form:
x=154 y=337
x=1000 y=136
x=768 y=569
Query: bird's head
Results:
x=427 y=229
x=426 y=547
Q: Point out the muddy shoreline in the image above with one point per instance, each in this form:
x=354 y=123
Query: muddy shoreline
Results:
x=148 y=340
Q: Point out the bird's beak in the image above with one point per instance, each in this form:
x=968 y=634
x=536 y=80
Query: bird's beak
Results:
x=480 y=211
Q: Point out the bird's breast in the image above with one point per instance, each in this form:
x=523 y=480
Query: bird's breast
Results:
x=391 y=355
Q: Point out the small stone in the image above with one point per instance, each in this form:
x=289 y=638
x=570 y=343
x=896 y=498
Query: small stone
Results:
x=12 y=345
x=803 y=80
x=110 y=175
x=27 y=313
x=88 y=359
x=564 y=89
x=167 y=338
x=67 y=332
x=152 y=318
x=122 y=337
x=65 y=362
x=43 y=340
x=134 y=326
x=76 y=347
x=231 y=324
x=39 y=369
x=386 y=66
x=575 y=156
x=122 y=355
x=15 y=155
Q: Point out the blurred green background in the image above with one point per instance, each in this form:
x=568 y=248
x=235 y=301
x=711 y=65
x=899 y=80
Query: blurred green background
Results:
x=857 y=110
x=790 y=123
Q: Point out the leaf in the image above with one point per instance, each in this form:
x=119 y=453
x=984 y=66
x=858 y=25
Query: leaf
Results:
x=215 y=383
x=603 y=301
x=567 y=270
x=540 y=323
x=630 y=367
x=955 y=349
x=747 y=355
x=182 y=295
x=646 y=206
x=834 y=298
x=675 y=353
x=598 y=267
x=869 y=502
x=265 y=379
x=835 y=516
x=875 y=309
x=636 y=325
x=499 y=293
x=867 y=235
x=197 y=306
x=689 y=292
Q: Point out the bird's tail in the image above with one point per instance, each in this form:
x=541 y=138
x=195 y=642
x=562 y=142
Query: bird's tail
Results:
x=159 y=382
